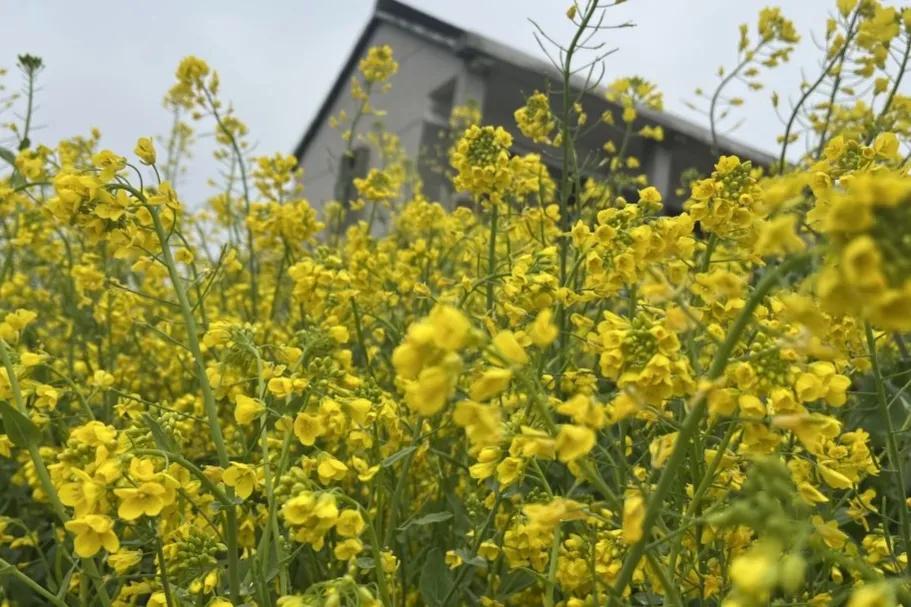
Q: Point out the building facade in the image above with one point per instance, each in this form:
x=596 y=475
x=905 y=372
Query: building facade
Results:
x=441 y=67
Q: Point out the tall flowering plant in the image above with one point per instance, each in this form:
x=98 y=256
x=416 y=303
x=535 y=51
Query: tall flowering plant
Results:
x=559 y=395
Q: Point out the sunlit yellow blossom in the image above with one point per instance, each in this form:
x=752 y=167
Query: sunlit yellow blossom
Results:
x=379 y=64
x=308 y=428
x=242 y=477
x=574 y=442
x=509 y=348
x=146 y=499
x=124 y=560
x=491 y=383
x=145 y=150
x=247 y=409
x=92 y=533
x=598 y=357
x=542 y=331
x=481 y=159
x=633 y=517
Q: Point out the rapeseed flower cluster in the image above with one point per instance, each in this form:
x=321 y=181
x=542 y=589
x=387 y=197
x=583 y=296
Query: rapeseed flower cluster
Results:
x=566 y=392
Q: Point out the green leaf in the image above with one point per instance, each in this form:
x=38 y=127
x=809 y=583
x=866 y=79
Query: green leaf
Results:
x=271 y=565
x=8 y=156
x=162 y=439
x=392 y=459
x=427 y=519
x=436 y=579
x=20 y=429
x=514 y=582
x=468 y=558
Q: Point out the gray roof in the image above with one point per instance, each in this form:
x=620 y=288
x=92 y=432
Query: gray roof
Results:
x=472 y=44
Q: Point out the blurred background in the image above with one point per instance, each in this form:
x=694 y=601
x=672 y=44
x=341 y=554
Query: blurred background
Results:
x=109 y=63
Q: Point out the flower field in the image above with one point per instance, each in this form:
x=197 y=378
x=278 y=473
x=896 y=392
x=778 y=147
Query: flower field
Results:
x=556 y=393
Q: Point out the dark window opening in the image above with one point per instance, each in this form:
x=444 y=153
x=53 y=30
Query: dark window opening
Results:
x=353 y=165
x=436 y=139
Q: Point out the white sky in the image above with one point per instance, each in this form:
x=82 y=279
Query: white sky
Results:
x=110 y=62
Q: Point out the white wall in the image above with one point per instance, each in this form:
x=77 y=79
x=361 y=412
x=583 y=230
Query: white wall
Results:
x=423 y=67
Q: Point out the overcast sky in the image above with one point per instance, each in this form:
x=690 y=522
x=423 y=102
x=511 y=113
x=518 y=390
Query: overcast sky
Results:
x=110 y=62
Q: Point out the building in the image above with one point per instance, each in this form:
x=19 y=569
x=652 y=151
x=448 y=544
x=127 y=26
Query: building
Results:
x=442 y=66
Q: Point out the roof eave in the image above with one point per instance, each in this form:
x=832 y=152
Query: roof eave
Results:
x=322 y=114
x=465 y=43
x=385 y=11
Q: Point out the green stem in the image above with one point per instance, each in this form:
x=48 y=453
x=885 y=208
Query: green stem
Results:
x=267 y=476
x=492 y=257
x=209 y=403
x=44 y=477
x=478 y=540
x=703 y=486
x=568 y=159
x=724 y=82
x=709 y=250
x=217 y=493
x=782 y=157
x=7 y=568
x=193 y=339
x=400 y=483
x=589 y=470
x=693 y=419
x=551 y=582
x=385 y=599
x=29 y=107
x=163 y=570
x=358 y=327
x=671 y=593
x=892 y=452
x=866 y=571
x=898 y=78
x=831 y=105
x=251 y=257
